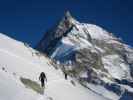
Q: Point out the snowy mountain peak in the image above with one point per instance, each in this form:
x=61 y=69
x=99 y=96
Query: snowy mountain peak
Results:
x=69 y=18
x=75 y=31
x=89 y=53
x=68 y=15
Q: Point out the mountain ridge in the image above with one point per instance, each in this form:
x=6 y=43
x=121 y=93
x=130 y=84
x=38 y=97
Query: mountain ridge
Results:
x=89 y=53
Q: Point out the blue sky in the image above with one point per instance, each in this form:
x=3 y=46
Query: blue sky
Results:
x=28 y=20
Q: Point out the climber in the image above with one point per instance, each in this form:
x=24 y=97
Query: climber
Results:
x=89 y=74
x=65 y=75
x=43 y=78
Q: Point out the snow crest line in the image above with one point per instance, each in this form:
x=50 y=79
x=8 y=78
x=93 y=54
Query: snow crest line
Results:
x=16 y=56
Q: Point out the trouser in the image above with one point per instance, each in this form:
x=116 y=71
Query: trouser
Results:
x=42 y=83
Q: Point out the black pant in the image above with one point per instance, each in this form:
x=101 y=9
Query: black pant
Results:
x=42 y=83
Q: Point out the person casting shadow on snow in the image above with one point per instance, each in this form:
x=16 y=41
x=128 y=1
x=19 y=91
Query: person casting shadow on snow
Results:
x=43 y=78
x=65 y=75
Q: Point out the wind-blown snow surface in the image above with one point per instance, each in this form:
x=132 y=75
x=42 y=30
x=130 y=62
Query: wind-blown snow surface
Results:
x=18 y=60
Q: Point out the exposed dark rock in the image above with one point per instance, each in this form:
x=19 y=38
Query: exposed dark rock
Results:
x=114 y=88
x=127 y=96
x=52 y=37
x=86 y=58
x=124 y=82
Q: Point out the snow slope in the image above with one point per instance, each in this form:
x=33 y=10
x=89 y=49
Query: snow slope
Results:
x=18 y=60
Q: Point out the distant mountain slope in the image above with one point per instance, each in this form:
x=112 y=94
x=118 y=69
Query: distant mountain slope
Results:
x=90 y=54
x=20 y=67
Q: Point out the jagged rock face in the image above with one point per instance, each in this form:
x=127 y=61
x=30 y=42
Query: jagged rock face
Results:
x=88 y=59
x=52 y=37
x=94 y=54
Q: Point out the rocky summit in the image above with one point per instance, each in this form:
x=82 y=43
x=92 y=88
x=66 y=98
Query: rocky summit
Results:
x=91 y=55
